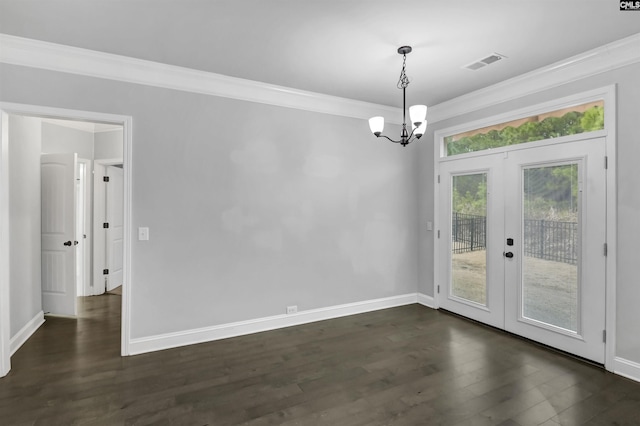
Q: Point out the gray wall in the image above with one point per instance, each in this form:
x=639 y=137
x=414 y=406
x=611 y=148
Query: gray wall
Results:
x=628 y=180
x=245 y=218
x=24 y=220
x=60 y=139
x=293 y=207
x=108 y=145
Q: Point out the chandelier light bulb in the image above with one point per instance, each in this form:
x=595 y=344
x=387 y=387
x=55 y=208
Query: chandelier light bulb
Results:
x=419 y=130
x=376 y=124
x=418 y=114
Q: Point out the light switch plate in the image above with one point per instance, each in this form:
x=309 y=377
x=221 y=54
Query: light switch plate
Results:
x=143 y=234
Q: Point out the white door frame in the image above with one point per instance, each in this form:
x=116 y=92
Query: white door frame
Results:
x=608 y=94
x=59 y=113
x=99 y=241
x=88 y=216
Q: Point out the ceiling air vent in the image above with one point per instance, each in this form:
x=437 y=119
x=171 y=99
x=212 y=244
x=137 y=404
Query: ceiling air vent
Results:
x=490 y=59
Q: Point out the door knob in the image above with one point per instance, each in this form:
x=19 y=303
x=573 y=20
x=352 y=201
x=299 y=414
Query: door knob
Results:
x=67 y=243
x=508 y=254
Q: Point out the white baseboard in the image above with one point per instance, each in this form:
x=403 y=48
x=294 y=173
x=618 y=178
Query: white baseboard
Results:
x=626 y=368
x=27 y=331
x=426 y=300
x=224 y=331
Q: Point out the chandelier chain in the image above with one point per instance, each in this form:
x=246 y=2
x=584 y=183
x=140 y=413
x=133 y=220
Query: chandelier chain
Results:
x=403 y=81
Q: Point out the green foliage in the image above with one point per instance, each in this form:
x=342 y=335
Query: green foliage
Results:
x=470 y=194
x=550 y=193
x=551 y=127
x=593 y=119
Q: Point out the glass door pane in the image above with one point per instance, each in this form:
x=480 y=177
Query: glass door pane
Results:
x=469 y=237
x=551 y=213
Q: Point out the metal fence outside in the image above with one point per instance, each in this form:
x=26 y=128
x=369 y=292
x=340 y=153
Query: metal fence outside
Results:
x=543 y=239
x=550 y=240
x=468 y=232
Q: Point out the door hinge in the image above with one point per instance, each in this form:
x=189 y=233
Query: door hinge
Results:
x=438 y=233
x=105 y=272
x=606 y=162
x=604 y=336
x=606 y=249
x=105 y=225
x=438 y=178
x=105 y=178
x=438 y=288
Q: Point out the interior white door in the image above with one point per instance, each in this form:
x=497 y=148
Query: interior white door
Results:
x=555 y=281
x=522 y=242
x=58 y=193
x=115 y=232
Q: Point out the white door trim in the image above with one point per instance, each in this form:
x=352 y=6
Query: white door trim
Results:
x=59 y=113
x=5 y=330
x=611 y=143
x=88 y=218
x=607 y=93
x=109 y=161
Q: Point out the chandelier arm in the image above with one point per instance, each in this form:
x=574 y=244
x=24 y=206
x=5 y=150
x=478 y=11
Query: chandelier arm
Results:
x=407 y=141
x=411 y=134
x=388 y=138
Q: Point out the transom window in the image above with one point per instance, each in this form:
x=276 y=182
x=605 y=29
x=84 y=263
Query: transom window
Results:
x=588 y=117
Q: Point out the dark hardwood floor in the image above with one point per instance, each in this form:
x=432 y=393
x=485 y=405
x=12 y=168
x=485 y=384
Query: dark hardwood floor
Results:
x=404 y=366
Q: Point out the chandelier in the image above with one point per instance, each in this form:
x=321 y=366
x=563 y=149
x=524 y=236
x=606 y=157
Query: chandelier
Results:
x=418 y=113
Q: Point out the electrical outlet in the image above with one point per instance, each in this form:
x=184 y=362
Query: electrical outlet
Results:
x=292 y=309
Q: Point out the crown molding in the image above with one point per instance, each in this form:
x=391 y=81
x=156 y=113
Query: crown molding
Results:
x=56 y=57
x=611 y=56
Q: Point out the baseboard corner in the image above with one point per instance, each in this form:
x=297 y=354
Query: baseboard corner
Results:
x=625 y=368
x=25 y=332
x=426 y=300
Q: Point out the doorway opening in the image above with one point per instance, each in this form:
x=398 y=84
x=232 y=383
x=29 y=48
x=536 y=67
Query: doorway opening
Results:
x=81 y=210
x=76 y=234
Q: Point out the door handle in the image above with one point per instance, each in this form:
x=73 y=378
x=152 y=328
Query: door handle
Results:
x=507 y=254
x=67 y=243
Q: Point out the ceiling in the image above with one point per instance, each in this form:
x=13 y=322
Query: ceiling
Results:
x=344 y=48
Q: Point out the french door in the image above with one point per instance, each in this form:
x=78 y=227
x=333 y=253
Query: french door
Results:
x=522 y=242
